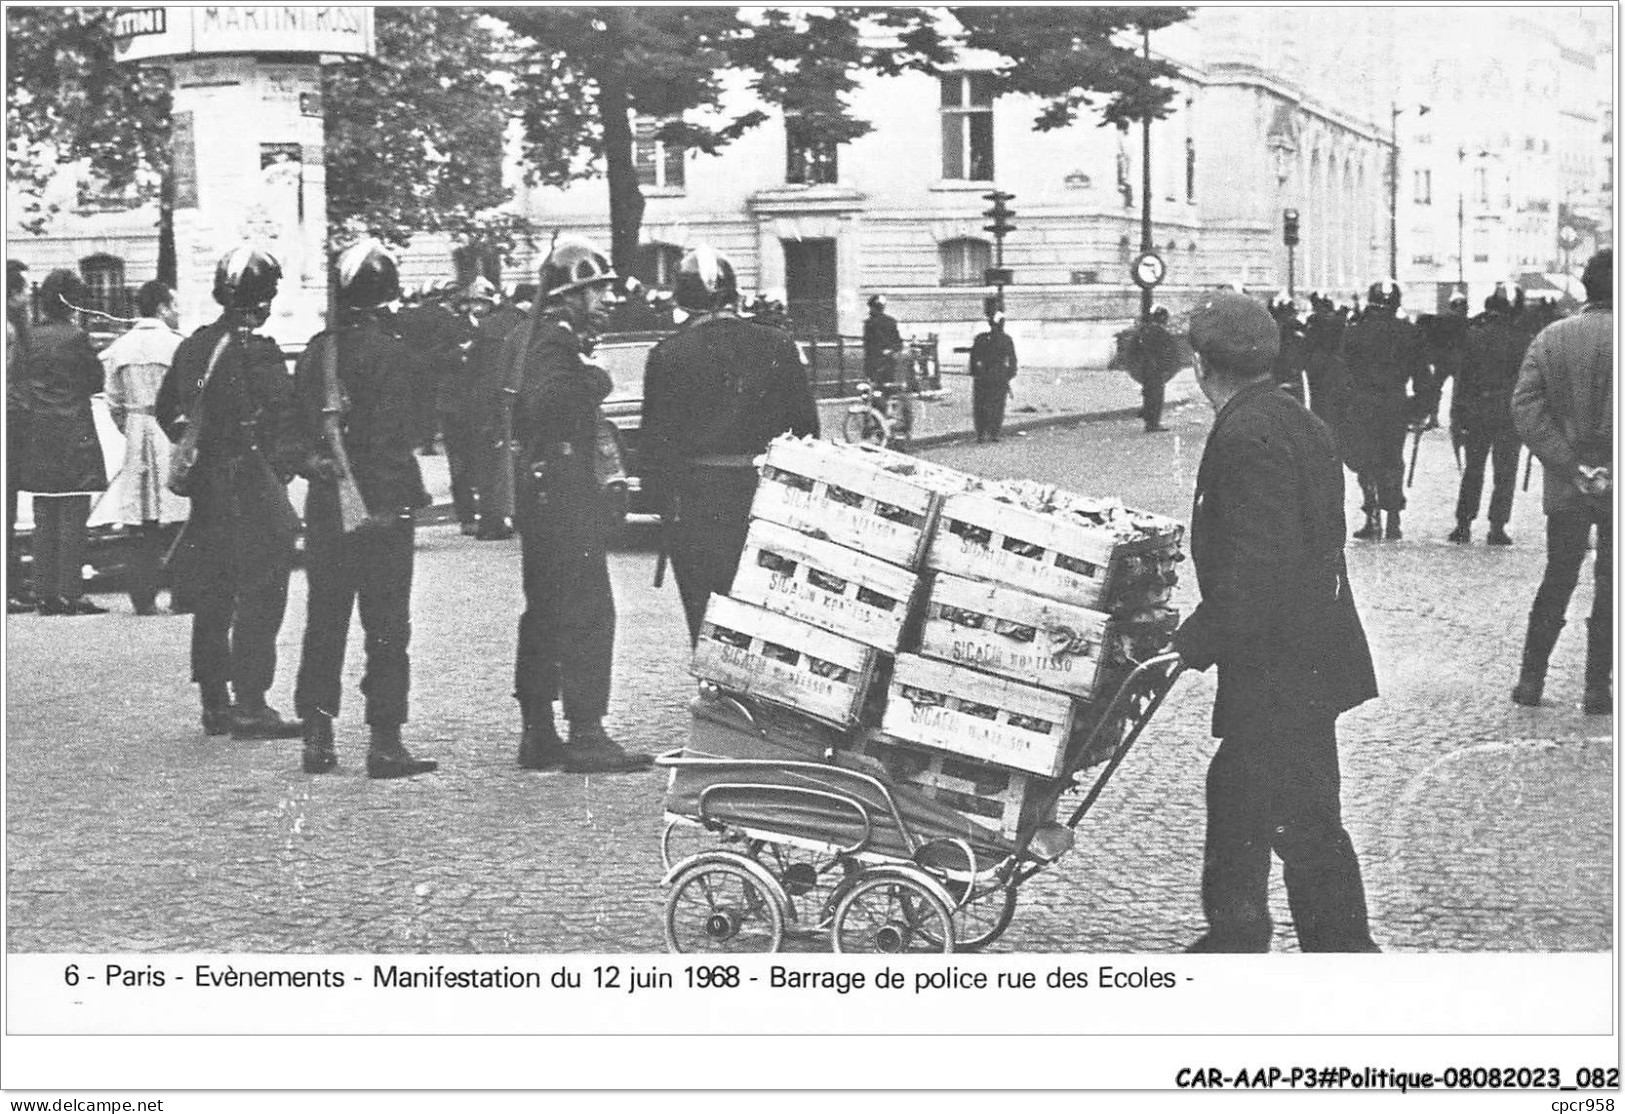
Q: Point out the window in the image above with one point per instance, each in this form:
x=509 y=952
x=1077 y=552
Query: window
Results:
x=967 y=127
x=659 y=164
x=104 y=276
x=964 y=261
x=1481 y=185
x=1424 y=187
x=471 y=261
x=658 y=264
x=808 y=159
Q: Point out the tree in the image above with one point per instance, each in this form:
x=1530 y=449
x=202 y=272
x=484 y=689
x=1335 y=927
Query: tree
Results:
x=416 y=145
x=1076 y=58
x=587 y=76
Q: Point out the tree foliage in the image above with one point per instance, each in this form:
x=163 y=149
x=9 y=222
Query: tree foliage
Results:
x=1076 y=58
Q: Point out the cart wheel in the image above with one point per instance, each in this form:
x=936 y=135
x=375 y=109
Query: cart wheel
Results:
x=720 y=907
x=890 y=914
x=982 y=919
x=865 y=427
x=811 y=882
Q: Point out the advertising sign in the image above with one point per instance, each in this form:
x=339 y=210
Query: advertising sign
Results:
x=177 y=31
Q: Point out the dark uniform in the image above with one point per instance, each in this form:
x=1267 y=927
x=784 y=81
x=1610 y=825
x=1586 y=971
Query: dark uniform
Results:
x=1327 y=374
x=992 y=366
x=714 y=395
x=1386 y=361
x=1481 y=419
x=567 y=632
x=237 y=549
x=459 y=423
x=429 y=329
x=1445 y=337
x=376 y=372
x=1290 y=361
x=1156 y=360
x=881 y=341
x=485 y=375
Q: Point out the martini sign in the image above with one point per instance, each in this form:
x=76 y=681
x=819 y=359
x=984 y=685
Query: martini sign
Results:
x=177 y=31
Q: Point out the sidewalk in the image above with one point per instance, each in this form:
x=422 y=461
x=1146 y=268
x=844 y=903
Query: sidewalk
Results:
x=1041 y=397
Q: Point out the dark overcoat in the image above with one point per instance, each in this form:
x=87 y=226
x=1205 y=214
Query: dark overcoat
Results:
x=58 y=375
x=1277 y=614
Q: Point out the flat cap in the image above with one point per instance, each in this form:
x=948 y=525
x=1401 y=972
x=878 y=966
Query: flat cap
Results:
x=1236 y=329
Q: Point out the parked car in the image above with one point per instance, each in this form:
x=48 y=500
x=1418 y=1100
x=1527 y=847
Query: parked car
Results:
x=624 y=355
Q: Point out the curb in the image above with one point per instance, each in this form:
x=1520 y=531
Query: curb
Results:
x=1045 y=421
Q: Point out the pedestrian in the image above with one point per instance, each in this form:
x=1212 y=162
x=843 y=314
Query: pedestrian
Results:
x=484 y=377
x=1481 y=419
x=139 y=497
x=1388 y=380
x=1277 y=617
x=353 y=386
x=567 y=632
x=992 y=367
x=61 y=461
x=19 y=596
x=1155 y=361
x=459 y=405
x=1563 y=408
x=714 y=394
x=1290 y=361
x=230 y=385
x=882 y=341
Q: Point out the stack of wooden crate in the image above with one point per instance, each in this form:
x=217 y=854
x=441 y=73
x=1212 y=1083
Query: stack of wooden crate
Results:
x=962 y=634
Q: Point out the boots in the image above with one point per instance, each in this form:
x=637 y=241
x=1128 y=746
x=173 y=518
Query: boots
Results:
x=1498 y=535
x=1372 y=530
x=387 y=757
x=216 y=710
x=592 y=751
x=1394 y=533
x=540 y=747
x=1461 y=535
x=1537 y=651
x=319 y=756
x=1599 y=695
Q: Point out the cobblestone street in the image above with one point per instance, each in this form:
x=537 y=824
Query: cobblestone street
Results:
x=1481 y=826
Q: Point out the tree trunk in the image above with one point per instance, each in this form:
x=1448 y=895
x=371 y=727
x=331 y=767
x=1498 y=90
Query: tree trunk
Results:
x=168 y=273
x=625 y=196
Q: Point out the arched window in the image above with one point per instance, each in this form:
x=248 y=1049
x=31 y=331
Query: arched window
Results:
x=104 y=276
x=658 y=263
x=964 y=261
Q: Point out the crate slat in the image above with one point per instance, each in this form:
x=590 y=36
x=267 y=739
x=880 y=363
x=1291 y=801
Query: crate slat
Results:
x=1019 y=635
x=755 y=652
x=818 y=582
x=1006 y=801
x=949 y=707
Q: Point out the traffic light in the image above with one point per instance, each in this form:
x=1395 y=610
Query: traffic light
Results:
x=1289 y=227
x=1000 y=214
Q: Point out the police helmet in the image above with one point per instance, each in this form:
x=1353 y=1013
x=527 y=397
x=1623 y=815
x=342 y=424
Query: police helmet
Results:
x=246 y=277
x=368 y=275
x=1384 y=294
x=573 y=264
x=1282 y=304
x=705 y=281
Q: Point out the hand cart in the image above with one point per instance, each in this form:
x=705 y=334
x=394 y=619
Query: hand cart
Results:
x=815 y=845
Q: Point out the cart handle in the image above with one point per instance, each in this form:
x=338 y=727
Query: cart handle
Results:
x=796 y=791
x=677 y=758
x=1174 y=666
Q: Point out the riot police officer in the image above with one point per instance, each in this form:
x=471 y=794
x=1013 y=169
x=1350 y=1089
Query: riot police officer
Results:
x=1289 y=363
x=1481 y=418
x=567 y=632
x=1388 y=384
x=354 y=388
x=236 y=552
x=714 y=395
x=484 y=376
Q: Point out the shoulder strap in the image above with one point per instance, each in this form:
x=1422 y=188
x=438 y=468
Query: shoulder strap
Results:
x=208 y=373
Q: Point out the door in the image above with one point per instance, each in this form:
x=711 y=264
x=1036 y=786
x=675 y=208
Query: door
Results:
x=809 y=282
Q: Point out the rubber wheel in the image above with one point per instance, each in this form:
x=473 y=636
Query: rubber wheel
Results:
x=982 y=919
x=721 y=908
x=865 y=428
x=889 y=915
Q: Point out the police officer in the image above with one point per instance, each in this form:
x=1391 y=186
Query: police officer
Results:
x=714 y=395
x=236 y=551
x=1447 y=346
x=1481 y=418
x=1156 y=360
x=353 y=386
x=1324 y=369
x=1293 y=354
x=460 y=418
x=992 y=366
x=1388 y=380
x=484 y=375
x=567 y=632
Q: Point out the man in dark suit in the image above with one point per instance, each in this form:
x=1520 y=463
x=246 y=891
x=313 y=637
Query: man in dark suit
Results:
x=1278 y=619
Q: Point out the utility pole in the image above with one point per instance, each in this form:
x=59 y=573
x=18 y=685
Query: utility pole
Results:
x=1393 y=193
x=999 y=225
x=1146 y=247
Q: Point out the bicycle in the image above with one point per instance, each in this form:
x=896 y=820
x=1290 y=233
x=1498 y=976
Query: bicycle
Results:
x=883 y=416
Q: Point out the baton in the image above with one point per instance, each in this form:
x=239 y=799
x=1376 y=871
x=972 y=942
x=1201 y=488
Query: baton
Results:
x=1416 y=447
x=1528 y=468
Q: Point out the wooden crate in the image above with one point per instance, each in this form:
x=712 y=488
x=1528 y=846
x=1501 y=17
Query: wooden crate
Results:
x=847 y=496
x=948 y=707
x=1005 y=801
x=832 y=587
x=755 y=652
x=1054 y=555
x=1016 y=634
